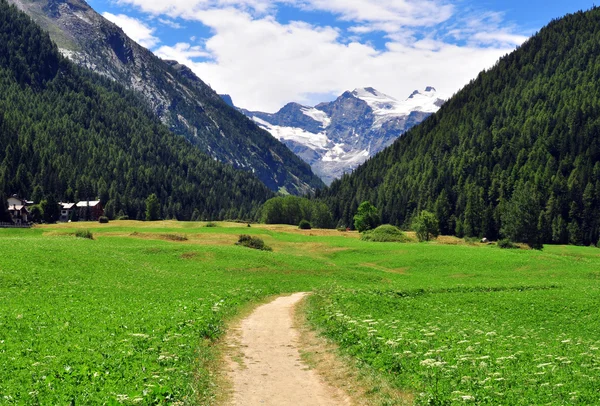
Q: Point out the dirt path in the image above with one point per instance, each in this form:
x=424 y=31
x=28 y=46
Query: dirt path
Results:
x=267 y=369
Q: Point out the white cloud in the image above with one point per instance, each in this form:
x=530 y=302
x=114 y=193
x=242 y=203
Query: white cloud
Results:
x=170 y=23
x=135 y=29
x=264 y=64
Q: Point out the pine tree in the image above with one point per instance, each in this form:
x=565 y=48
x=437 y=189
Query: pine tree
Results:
x=152 y=208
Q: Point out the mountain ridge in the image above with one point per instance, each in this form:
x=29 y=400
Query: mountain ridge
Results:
x=336 y=137
x=67 y=133
x=515 y=153
x=182 y=101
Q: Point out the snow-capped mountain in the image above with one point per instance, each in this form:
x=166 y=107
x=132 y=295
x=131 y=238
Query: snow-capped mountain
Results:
x=336 y=137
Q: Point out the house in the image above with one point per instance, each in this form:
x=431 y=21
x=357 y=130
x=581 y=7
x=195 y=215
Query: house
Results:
x=17 y=208
x=66 y=209
x=15 y=200
x=90 y=210
x=19 y=214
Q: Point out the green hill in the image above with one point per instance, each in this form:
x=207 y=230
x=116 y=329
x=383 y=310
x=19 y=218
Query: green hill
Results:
x=181 y=100
x=73 y=134
x=517 y=149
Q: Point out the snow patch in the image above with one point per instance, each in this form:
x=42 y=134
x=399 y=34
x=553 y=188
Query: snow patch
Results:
x=315 y=141
x=386 y=107
x=317 y=115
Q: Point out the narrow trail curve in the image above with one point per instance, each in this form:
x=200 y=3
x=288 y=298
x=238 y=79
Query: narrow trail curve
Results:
x=270 y=371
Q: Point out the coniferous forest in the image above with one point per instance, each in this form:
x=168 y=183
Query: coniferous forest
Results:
x=515 y=153
x=69 y=134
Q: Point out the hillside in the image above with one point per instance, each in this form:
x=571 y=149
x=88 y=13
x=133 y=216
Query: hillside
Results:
x=521 y=140
x=71 y=134
x=179 y=98
x=336 y=137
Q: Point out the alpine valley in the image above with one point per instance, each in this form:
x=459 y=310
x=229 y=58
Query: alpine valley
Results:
x=178 y=97
x=336 y=137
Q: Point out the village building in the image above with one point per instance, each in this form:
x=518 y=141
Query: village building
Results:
x=90 y=210
x=17 y=208
x=66 y=209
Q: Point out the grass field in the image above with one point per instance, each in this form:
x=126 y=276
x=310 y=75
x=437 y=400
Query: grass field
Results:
x=131 y=316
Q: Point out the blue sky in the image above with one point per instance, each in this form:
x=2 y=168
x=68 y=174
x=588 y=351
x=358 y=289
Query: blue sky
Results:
x=266 y=53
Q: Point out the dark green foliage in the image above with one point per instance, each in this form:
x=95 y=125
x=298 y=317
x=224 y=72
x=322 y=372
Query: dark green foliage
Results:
x=426 y=225
x=152 y=208
x=4 y=214
x=103 y=220
x=84 y=234
x=74 y=215
x=291 y=210
x=532 y=119
x=367 y=217
x=253 y=242
x=520 y=218
x=385 y=233
x=304 y=225
x=507 y=244
x=50 y=210
x=36 y=214
x=211 y=225
x=78 y=136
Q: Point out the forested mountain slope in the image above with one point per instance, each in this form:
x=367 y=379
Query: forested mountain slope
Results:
x=72 y=134
x=522 y=138
x=182 y=101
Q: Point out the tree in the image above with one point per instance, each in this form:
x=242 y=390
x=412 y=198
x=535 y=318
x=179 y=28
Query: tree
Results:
x=36 y=213
x=426 y=225
x=152 y=208
x=51 y=209
x=521 y=216
x=367 y=217
x=4 y=214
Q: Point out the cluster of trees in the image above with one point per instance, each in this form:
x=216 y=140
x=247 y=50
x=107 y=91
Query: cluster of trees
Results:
x=292 y=210
x=69 y=134
x=515 y=153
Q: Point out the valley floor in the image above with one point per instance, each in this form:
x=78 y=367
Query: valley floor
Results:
x=138 y=314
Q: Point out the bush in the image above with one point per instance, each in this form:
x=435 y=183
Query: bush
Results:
x=84 y=234
x=253 y=242
x=472 y=240
x=385 y=233
x=174 y=237
x=103 y=220
x=210 y=224
x=304 y=225
x=507 y=244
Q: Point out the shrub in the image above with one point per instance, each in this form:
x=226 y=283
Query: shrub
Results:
x=507 y=244
x=174 y=237
x=103 y=220
x=210 y=224
x=84 y=234
x=253 y=242
x=385 y=233
x=304 y=225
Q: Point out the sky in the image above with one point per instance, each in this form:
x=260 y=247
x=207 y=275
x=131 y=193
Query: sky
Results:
x=266 y=53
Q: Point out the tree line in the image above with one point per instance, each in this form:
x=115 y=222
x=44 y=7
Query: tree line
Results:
x=67 y=134
x=515 y=153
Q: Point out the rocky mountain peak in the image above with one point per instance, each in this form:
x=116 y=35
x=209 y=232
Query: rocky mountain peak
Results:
x=335 y=137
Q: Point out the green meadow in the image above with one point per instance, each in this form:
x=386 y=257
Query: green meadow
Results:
x=134 y=316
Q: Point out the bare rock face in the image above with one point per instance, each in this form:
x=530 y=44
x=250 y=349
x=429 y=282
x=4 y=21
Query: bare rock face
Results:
x=336 y=137
x=180 y=99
